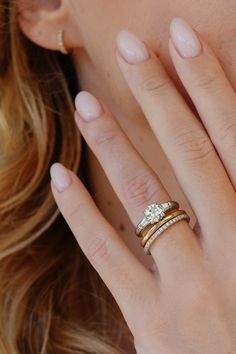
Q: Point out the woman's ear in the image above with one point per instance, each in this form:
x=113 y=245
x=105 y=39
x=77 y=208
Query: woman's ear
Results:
x=41 y=21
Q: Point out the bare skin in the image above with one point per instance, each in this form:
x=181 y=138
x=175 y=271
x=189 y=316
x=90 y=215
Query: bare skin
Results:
x=90 y=28
x=116 y=94
x=188 y=304
x=198 y=268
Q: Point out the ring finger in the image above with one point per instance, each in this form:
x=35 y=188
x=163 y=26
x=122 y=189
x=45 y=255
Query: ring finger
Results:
x=135 y=184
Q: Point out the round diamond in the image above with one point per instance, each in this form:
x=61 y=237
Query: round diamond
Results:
x=154 y=213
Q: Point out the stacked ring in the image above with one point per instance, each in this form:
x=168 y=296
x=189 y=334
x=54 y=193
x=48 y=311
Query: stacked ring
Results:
x=157 y=218
x=150 y=232
x=162 y=229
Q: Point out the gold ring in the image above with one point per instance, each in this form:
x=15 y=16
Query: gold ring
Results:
x=161 y=229
x=153 y=229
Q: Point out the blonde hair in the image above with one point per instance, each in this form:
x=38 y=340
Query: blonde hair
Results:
x=51 y=298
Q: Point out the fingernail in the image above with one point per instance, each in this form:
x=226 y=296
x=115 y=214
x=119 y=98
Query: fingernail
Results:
x=184 y=38
x=60 y=177
x=88 y=106
x=132 y=49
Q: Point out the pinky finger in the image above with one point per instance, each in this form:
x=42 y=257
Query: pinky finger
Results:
x=122 y=272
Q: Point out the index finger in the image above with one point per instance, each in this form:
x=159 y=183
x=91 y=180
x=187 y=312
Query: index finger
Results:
x=122 y=272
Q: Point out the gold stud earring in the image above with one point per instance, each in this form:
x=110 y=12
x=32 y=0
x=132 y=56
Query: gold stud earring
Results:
x=60 y=41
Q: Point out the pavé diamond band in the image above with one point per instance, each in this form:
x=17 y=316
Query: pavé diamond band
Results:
x=154 y=213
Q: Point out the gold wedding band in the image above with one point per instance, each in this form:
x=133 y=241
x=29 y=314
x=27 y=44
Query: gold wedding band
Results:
x=150 y=232
x=161 y=229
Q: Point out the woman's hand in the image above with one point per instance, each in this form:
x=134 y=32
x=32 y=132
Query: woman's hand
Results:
x=188 y=305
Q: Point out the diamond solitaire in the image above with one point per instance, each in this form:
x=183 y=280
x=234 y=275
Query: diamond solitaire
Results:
x=155 y=213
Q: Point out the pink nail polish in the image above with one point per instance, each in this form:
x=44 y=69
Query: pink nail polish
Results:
x=184 y=38
x=60 y=177
x=132 y=49
x=88 y=106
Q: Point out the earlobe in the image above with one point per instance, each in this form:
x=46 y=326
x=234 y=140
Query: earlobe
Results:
x=42 y=21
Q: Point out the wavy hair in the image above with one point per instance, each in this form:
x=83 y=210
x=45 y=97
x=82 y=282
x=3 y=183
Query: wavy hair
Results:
x=51 y=298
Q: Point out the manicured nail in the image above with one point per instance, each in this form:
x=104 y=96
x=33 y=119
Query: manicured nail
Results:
x=60 y=177
x=88 y=106
x=184 y=38
x=132 y=49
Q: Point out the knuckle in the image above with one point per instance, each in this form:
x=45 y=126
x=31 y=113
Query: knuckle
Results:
x=226 y=135
x=193 y=145
x=199 y=296
x=208 y=82
x=97 y=248
x=155 y=84
x=73 y=211
x=140 y=189
x=201 y=289
x=105 y=136
x=149 y=303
